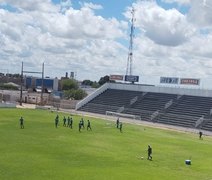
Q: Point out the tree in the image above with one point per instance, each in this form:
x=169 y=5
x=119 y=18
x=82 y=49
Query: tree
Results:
x=69 y=94
x=95 y=84
x=8 y=87
x=105 y=79
x=87 y=82
x=16 y=75
x=76 y=94
x=68 y=84
x=79 y=94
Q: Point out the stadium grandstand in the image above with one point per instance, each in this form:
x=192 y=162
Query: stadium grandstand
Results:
x=189 y=108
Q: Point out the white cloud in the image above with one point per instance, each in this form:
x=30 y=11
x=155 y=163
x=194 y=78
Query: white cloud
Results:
x=75 y=40
x=191 y=59
x=92 y=6
x=65 y=4
x=165 y=27
x=181 y=2
x=200 y=13
x=32 y=5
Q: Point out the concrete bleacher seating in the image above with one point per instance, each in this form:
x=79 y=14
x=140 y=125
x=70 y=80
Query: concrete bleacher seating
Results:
x=110 y=100
x=187 y=111
x=178 y=120
x=207 y=126
x=184 y=111
x=150 y=103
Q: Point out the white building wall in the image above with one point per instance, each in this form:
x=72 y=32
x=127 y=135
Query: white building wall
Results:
x=170 y=90
x=55 y=84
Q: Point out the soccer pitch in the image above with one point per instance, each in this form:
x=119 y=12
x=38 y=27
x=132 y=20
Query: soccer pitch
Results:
x=41 y=151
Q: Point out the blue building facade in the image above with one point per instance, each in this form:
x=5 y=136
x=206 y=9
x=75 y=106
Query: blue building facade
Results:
x=48 y=83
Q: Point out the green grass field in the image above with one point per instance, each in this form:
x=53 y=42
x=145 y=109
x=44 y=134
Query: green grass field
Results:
x=40 y=151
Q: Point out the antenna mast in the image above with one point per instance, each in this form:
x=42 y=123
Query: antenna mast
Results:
x=130 y=53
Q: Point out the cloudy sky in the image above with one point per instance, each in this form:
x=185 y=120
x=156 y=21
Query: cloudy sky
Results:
x=91 y=37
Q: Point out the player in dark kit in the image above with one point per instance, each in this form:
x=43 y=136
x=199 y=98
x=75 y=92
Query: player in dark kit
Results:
x=120 y=127
x=89 y=125
x=71 y=123
x=200 y=135
x=21 y=123
x=56 y=121
x=117 y=123
x=64 y=121
x=68 y=121
x=80 y=126
x=82 y=123
x=149 y=152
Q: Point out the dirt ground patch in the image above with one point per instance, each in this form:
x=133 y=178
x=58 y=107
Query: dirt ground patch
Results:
x=26 y=106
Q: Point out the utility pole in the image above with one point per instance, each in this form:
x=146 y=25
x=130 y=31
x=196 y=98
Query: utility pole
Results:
x=42 y=86
x=21 y=90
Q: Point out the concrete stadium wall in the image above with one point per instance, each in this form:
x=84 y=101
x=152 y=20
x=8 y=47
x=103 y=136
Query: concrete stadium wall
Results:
x=7 y=105
x=13 y=95
x=157 y=89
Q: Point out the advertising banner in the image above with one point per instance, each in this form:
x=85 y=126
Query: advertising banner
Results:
x=131 y=78
x=188 y=81
x=169 y=80
x=117 y=77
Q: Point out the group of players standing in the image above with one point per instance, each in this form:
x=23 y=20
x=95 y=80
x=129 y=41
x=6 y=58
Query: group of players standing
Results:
x=70 y=123
x=67 y=122
x=82 y=125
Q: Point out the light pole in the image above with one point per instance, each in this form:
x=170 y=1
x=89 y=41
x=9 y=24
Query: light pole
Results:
x=21 y=93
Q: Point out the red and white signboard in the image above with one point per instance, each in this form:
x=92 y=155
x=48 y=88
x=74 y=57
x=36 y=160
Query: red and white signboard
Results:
x=117 y=77
x=187 y=81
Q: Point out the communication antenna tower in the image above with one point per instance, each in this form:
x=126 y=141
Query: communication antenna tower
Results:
x=130 y=53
